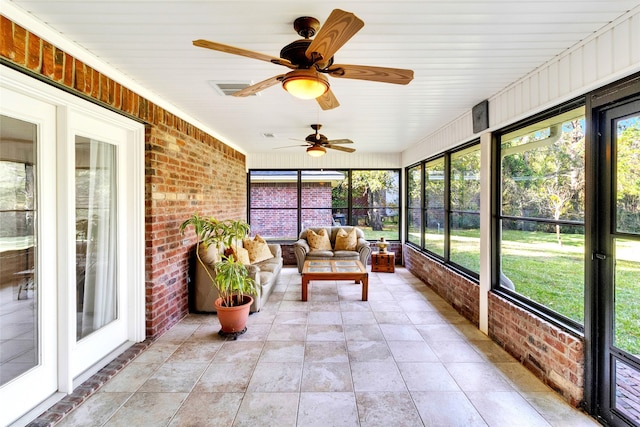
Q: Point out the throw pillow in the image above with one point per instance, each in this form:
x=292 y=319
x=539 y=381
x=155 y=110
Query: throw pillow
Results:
x=346 y=241
x=318 y=241
x=240 y=254
x=209 y=255
x=258 y=249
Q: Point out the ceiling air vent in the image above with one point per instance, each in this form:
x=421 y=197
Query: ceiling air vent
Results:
x=229 y=88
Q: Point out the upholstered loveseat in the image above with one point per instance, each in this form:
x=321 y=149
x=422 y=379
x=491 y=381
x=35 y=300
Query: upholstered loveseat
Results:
x=304 y=251
x=265 y=273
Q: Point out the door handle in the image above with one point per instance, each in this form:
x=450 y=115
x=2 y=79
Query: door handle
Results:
x=599 y=255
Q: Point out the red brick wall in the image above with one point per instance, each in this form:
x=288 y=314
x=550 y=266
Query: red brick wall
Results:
x=457 y=290
x=186 y=170
x=552 y=354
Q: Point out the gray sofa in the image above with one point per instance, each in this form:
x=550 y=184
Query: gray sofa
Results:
x=303 y=252
x=265 y=273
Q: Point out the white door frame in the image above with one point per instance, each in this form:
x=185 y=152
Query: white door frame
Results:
x=56 y=254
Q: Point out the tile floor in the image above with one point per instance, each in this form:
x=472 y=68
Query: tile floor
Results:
x=404 y=358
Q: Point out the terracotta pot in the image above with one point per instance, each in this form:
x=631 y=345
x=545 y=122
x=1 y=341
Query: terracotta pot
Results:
x=233 y=319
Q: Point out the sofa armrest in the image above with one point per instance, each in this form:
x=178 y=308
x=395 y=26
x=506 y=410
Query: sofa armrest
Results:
x=254 y=273
x=362 y=243
x=303 y=245
x=276 y=250
x=364 y=249
x=300 y=250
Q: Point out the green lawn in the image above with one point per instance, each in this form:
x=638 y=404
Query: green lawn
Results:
x=553 y=275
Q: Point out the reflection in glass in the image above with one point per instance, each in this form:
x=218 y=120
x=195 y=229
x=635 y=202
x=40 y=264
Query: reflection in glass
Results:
x=434 y=204
x=628 y=175
x=414 y=204
x=627 y=296
x=539 y=268
x=626 y=391
x=96 y=226
x=19 y=340
x=274 y=204
x=464 y=241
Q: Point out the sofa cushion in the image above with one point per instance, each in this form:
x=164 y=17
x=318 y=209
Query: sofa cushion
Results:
x=240 y=254
x=258 y=249
x=346 y=241
x=319 y=241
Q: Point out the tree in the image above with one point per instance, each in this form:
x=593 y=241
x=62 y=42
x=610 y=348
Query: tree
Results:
x=372 y=186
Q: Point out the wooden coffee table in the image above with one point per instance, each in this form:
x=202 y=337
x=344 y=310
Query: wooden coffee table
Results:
x=335 y=270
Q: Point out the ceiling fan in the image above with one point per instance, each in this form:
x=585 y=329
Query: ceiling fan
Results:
x=310 y=60
x=317 y=143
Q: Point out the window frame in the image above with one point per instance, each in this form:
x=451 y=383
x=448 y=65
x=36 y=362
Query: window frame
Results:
x=538 y=309
x=446 y=258
x=350 y=205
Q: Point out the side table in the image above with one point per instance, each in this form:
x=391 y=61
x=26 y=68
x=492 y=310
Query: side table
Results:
x=383 y=262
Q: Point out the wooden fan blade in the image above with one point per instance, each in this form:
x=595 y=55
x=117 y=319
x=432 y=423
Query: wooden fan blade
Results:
x=328 y=101
x=339 y=27
x=340 y=148
x=398 y=76
x=340 y=141
x=289 y=146
x=253 y=89
x=243 y=52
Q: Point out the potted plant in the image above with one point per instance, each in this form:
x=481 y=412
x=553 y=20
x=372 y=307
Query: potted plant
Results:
x=230 y=277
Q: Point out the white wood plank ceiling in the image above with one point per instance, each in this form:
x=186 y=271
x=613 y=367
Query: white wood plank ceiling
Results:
x=462 y=52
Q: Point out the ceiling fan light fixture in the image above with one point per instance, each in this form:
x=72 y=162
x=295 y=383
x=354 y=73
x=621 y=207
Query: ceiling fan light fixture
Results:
x=316 y=151
x=305 y=84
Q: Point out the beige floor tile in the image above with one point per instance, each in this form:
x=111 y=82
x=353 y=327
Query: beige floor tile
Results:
x=392 y=317
x=131 y=378
x=147 y=409
x=377 y=376
x=291 y=318
x=401 y=332
x=158 y=352
x=520 y=378
x=451 y=408
x=369 y=351
x=325 y=333
x=325 y=318
x=268 y=409
x=96 y=410
x=282 y=351
x=326 y=351
x=385 y=409
x=412 y=351
x=208 y=409
x=403 y=358
x=327 y=409
x=287 y=332
x=506 y=408
x=454 y=351
x=326 y=377
x=358 y=318
x=425 y=376
x=196 y=351
x=363 y=332
x=276 y=377
x=231 y=351
x=439 y=332
x=174 y=377
x=557 y=412
x=478 y=377
x=225 y=378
